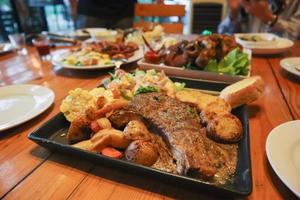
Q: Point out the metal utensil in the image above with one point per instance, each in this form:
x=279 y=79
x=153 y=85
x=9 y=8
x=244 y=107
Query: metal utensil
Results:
x=119 y=62
x=297 y=67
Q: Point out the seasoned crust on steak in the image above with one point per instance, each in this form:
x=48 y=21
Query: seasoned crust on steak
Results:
x=225 y=128
x=179 y=125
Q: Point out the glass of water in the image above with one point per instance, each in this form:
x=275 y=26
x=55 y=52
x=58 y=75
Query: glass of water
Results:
x=17 y=40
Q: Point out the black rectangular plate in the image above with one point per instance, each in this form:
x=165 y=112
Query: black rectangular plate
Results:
x=49 y=135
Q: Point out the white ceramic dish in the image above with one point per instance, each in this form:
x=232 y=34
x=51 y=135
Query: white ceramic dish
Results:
x=102 y=34
x=195 y=74
x=58 y=55
x=283 y=152
x=20 y=103
x=279 y=45
x=267 y=39
x=5 y=48
x=290 y=65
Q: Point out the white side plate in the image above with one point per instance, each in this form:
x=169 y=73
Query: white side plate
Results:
x=290 y=64
x=276 y=46
x=283 y=152
x=20 y=103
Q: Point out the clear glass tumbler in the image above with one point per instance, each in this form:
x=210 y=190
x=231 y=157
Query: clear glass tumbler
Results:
x=18 y=41
x=42 y=44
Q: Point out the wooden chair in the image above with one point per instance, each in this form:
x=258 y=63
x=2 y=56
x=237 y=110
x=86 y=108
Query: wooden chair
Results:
x=160 y=10
x=206 y=14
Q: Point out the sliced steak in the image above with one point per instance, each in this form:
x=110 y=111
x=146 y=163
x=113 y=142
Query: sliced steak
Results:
x=179 y=125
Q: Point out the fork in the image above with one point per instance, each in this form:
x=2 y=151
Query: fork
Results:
x=119 y=62
x=297 y=67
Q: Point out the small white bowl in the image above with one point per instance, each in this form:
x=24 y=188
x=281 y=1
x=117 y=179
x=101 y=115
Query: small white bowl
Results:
x=99 y=34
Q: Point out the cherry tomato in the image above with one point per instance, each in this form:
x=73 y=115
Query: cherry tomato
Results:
x=152 y=57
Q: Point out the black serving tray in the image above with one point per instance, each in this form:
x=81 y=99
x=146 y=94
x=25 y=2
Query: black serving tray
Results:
x=51 y=135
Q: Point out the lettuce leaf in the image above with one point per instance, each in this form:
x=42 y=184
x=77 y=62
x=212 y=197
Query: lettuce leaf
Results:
x=234 y=63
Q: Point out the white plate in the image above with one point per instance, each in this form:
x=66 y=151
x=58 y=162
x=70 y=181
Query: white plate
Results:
x=20 y=103
x=58 y=55
x=279 y=45
x=268 y=39
x=289 y=65
x=5 y=48
x=283 y=152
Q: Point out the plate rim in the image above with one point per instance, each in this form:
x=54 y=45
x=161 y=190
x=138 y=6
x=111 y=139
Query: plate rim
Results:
x=55 y=56
x=269 y=154
x=10 y=49
x=31 y=114
x=237 y=36
x=197 y=74
x=287 y=68
x=261 y=50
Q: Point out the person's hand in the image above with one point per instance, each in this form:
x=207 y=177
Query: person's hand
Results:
x=234 y=6
x=259 y=9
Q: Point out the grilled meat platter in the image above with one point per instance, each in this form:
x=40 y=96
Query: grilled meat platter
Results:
x=147 y=119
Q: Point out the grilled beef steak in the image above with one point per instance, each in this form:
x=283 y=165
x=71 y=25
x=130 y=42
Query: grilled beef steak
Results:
x=179 y=125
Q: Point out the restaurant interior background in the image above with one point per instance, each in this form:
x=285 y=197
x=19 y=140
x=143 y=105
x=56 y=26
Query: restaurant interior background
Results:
x=34 y=16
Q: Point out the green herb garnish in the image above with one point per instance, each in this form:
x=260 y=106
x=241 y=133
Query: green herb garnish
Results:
x=147 y=89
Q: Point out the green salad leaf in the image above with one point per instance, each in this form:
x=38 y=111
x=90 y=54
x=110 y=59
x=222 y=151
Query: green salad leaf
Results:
x=179 y=86
x=146 y=89
x=234 y=63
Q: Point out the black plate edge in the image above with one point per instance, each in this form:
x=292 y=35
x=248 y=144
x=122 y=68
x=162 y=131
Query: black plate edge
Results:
x=186 y=181
x=166 y=177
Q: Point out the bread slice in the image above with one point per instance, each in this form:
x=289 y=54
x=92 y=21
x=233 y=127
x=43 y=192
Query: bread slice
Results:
x=243 y=92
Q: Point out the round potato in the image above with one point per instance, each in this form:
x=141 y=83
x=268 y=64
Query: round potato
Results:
x=141 y=152
x=225 y=128
x=136 y=130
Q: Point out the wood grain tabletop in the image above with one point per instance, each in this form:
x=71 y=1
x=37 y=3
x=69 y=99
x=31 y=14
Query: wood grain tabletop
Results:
x=28 y=171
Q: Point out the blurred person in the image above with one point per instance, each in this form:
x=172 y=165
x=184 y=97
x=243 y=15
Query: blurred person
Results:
x=111 y=14
x=281 y=17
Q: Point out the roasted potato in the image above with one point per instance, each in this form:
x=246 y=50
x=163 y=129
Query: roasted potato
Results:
x=142 y=152
x=109 y=138
x=225 y=128
x=136 y=130
x=85 y=145
x=217 y=107
x=198 y=98
x=104 y=123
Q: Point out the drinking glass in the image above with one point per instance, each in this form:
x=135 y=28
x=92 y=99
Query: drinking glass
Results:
x=42 y=44
x=17 y=40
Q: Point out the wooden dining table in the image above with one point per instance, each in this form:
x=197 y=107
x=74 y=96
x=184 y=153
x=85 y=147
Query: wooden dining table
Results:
x=29 y=171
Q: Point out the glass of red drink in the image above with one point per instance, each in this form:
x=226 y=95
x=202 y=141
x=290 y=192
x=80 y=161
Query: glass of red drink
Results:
x=42 y=44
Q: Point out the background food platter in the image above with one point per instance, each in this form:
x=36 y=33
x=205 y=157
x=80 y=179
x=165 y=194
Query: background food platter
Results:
x=60 y=54
x=52 y=135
